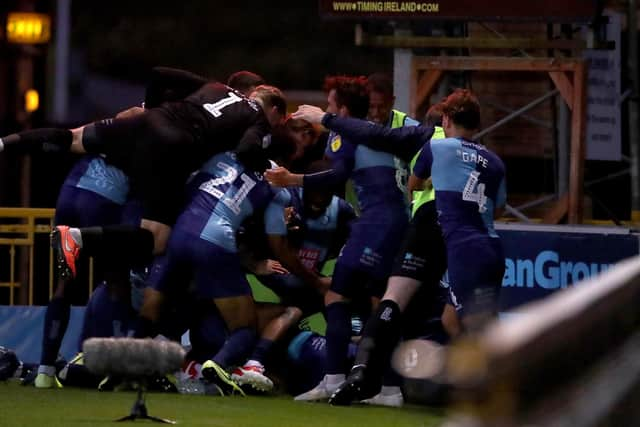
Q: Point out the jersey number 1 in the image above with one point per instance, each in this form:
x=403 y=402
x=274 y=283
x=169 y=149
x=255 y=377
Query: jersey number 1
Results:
x=216 y=108
x=474 y=192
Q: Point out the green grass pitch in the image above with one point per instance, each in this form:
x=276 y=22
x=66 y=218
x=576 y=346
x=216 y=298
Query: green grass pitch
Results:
x=69 y=407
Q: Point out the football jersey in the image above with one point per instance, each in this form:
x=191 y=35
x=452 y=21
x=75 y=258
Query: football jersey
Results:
x=92 y=173
x=225 y=195
x=379 y=178
x=470 y=183
x=221 y=115
x=317 y=235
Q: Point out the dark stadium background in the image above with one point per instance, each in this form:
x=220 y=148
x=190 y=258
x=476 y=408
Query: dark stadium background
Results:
x=115 y=43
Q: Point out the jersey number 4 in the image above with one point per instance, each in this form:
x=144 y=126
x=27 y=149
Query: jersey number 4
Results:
x=474 y=191
x=216 y=108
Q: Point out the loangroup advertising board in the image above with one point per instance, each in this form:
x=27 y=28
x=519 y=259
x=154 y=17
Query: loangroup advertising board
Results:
x=543 y=259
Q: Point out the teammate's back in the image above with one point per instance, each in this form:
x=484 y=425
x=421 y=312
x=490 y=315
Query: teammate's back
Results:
x=222 y=113
x=227 y=193
x=470 y=184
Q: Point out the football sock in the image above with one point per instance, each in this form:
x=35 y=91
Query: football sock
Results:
x=237 y=347
x=338 y=336
x=56 y=320
x=381 y=334
x=261 y=350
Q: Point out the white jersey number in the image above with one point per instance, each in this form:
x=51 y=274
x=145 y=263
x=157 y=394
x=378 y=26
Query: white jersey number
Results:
x=474 y=192
x=233 y=202
x=216 y=108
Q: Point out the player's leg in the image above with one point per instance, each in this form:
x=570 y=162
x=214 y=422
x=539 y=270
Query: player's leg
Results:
x=239 y=315
x=34 y=140
x=451 y=321
x=166 y=273
x=81 y=207
x=346 y=280
x=476 y=281
x=219 y=278
x=422 y=259
x=108 y=314
x=131 y=244
x=144 y=147
x=84 y=139
x=237 y=308
x=207 y=334
x=253 y=371
x=297 y=299
x=275 y=330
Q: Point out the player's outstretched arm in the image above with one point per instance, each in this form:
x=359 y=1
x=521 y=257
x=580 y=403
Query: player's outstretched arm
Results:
x=403 y=142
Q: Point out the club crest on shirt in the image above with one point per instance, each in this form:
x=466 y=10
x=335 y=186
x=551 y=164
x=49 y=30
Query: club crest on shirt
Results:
x=336 y=144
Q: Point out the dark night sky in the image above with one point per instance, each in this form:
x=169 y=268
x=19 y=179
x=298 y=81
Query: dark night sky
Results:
x=285 y=41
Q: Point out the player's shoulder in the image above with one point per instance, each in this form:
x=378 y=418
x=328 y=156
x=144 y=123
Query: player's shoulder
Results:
x=337 y=143
x=493 y=157
x=342 y=205
x=445 y=144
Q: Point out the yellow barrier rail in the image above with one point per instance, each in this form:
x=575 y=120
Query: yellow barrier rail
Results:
x=18 y=227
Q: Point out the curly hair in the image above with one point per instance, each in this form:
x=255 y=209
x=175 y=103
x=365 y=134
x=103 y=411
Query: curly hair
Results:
x=463 y=108
x=351 y=92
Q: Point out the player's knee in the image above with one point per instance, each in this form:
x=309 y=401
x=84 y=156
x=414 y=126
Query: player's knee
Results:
x=292 y=315
x=400 y=290
x=451 y=322
x=152 y=305
x=332 y=297
x=160 y=233
x=238 y=312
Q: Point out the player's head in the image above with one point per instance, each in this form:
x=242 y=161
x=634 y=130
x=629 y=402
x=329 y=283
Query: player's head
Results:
x=381 y=99
x=460 y=112
x=433 y=117
x=282 y=145
x=303 y=133
x=245 y=81
x=347 y=96
x=317 y=201
x=272 y=102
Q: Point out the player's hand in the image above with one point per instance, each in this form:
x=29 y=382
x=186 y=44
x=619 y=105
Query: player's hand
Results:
x=266 y=267
x=289 y=215
x=281 y=177
x=310 y=113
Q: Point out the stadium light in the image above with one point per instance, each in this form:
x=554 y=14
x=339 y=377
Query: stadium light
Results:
x=31 y=100
x=28 y=28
